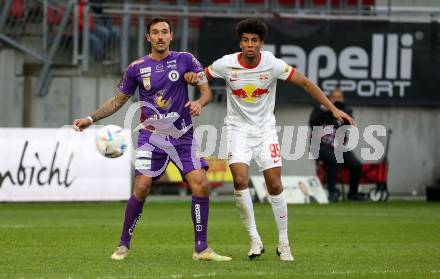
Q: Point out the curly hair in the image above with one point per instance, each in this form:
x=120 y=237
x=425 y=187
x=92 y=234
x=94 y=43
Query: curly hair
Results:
x=252 y=26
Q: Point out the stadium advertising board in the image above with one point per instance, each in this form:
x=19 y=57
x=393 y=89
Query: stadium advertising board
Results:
x=297 y=189
x=374 y=63
x=59 y=165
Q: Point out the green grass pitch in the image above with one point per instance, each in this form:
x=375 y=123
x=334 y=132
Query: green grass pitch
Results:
x=345 y=240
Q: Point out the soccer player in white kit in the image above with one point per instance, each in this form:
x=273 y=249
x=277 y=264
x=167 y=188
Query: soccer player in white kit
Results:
x=251 y=77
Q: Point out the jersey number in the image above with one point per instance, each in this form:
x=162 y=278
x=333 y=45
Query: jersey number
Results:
x=275 y=150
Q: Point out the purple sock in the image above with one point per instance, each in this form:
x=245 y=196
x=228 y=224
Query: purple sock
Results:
x=200 y=212
x=133 y=213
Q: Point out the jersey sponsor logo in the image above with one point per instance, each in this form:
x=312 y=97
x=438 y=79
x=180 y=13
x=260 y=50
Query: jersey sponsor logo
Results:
x=145 y=70
x=147 y=83
x=160 y=102
x=170 y=115
x=383 y=70
x=159 y=68
x=173 y=75
x=172 y=64
x=249 y=93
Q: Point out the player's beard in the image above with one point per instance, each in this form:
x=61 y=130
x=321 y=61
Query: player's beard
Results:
x=161 y=48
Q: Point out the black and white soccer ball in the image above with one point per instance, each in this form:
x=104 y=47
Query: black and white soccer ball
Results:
x=112 y=141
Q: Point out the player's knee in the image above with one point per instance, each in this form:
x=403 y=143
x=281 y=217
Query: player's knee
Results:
x=141 y=189
x=141 y=193
x=200 y=186
x=274 y=187
x=240 y=182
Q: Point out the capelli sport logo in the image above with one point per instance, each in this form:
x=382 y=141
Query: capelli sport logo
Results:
x=383 y=70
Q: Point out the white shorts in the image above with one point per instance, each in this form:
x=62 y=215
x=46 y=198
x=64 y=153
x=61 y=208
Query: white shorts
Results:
x=264 y=148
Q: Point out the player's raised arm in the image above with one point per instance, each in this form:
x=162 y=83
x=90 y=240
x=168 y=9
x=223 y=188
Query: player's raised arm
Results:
x=111 y=106
x=301 y=80
x=215 y=70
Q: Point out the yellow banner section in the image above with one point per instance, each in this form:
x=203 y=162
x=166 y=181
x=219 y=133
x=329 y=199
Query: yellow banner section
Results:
x=218 y=172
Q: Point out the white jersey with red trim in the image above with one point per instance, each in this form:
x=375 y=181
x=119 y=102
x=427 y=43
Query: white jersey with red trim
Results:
x=250 y=90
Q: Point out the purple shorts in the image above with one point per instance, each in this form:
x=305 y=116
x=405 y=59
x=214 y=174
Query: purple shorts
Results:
x=154 y=152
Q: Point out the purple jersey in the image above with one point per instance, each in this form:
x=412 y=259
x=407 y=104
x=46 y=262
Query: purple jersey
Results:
x=162 y=86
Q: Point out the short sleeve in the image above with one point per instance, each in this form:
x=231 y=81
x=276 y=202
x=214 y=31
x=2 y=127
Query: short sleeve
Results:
x=128 y=84
x=282 y=70
x=194 y=65
x=215 y=70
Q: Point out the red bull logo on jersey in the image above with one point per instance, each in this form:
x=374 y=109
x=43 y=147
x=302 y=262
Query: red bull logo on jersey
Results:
x=249 y=93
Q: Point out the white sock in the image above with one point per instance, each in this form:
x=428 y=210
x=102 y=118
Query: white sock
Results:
x=279 y=208
x=245 y=207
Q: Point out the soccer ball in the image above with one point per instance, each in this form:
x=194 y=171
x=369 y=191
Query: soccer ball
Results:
x=112 y=141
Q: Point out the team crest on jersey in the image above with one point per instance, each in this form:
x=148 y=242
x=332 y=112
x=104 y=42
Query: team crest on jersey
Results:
x=160 y=102
x=234 y=76
x=173 y=75
x=146 y=82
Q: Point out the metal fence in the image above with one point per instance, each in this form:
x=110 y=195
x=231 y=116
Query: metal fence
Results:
x=104 y=36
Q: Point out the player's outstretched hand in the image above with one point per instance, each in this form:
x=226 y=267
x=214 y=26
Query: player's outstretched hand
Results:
x=190 y=78
x=81 y=124
x=194 y=108
x=343 y=117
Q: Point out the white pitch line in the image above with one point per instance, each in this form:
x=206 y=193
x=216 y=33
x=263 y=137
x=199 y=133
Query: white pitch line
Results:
x=15 y=226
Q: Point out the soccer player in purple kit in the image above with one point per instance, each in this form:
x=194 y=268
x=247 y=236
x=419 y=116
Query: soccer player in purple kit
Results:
x=164 y=96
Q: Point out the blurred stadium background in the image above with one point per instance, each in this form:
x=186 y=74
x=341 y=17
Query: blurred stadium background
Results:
x=59 y=60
